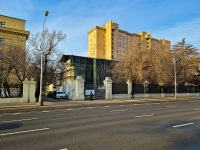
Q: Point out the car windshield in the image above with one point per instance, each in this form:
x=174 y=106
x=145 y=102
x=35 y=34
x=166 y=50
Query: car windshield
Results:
x=60 y=93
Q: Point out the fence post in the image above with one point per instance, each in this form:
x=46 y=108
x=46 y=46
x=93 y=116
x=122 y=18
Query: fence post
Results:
x=108 y=87
x=129 y=88
x=32 y=91
x=25 y=97
x=79 y=88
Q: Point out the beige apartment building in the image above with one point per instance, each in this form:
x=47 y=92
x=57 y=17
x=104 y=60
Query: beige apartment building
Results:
x=13 y=30
x=110 y=42
x=12 y=35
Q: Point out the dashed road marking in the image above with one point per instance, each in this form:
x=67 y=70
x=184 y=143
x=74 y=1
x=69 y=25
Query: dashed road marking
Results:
x=119 y=110
x=106 y=106
x=137 y=104
x=20 y=120
x=44 y=111
x=27 y=131
x=122 y=105
x=181 y=125
x=197 y=109
x=17 y=113
x=156 y=103
x=144 y=116
x=69 y=109
x=91 y=107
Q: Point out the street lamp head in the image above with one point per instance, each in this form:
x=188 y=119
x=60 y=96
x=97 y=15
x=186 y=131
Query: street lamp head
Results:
x=46 y=13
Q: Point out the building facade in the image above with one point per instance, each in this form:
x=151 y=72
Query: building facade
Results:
x=92 y=70
x=13 y=30
x=13 y=37
x=110 y=42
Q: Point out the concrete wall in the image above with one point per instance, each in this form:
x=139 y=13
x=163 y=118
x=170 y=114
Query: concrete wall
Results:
x=154 y=95
x=69 y=88
x=28 y=94
x=10 y=100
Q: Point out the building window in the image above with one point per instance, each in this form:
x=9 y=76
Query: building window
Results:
x=1 y=41
x=2 y=24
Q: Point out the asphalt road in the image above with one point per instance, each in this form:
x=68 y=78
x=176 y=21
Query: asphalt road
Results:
x=113 y=126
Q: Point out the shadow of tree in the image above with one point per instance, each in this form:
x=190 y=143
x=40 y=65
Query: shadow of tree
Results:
x=8 y=126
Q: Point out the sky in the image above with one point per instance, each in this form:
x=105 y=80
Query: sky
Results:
x=166 y=19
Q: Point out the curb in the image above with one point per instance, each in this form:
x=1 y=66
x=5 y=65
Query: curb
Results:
x=87 y=102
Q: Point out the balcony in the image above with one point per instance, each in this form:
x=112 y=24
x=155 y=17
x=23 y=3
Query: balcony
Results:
x=147 y=36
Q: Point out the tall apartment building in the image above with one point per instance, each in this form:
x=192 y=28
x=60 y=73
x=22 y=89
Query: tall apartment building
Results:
x=13 y=30
x=110 y=42
x=12 y=33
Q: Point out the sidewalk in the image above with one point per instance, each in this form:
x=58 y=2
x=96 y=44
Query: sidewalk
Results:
x=49 y=102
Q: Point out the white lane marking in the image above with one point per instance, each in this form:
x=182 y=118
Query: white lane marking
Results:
x=106 y=106
x=63 y=149
x=181 y=125
x=21 y=120
x=44 y=111
x=122 y=105
x=119 y=110
x=144 y=116
x=69 y=109
x=91 y=107
x=155 y=103
x=34 y=130
x=197 y=109
x=16 y=113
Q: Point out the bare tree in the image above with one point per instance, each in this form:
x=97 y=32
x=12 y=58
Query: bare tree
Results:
x=51 y=54
x=15 y=64
x=104 y=70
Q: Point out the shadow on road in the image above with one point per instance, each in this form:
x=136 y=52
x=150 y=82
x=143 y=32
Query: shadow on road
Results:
x=9 y=126
x=51 y=99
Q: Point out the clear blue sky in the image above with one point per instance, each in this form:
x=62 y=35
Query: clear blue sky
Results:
x=168 y=19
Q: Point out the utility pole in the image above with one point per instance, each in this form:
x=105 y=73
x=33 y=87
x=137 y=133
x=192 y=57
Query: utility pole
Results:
x=41 y=72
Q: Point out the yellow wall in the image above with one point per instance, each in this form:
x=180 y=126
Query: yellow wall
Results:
x=13 y=33
x=14 y=30
x=90 y=43
x=13 y=22
x=116 y=42
x=108 y=42
x=100 y=43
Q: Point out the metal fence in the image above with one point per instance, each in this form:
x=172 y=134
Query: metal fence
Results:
x=11 y=90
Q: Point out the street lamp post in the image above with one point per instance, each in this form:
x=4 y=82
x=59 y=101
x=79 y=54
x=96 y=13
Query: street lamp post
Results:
x=162 y=90
x=145 y=86
x=41 y=72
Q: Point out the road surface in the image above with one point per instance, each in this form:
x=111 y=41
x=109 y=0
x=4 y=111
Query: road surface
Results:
x=172 y=125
